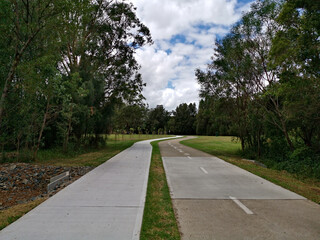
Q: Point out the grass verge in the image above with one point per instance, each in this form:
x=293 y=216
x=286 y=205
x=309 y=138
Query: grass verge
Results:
x=12 y=214
x=228 y=150
x=159 y=221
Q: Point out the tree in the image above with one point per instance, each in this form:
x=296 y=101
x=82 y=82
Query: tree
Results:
x=21 y=23
x=158 y=118
x=100 y=45
x=295 y=55
x=130 y=117
x=65 y=66
x=240 y=70
x=184 y=119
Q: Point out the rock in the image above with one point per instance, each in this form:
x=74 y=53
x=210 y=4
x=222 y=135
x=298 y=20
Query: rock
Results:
x=25 y=181
x=12 y=167
x=20 y=182
x=34 y=198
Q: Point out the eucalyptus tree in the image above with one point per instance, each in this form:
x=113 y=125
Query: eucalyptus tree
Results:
x=20 y=25
x=64 y=66
x=239 y=70
x=101 y=38
x=215 y=116
x=295 y=56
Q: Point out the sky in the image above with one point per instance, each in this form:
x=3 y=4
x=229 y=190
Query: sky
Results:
x=184 y=33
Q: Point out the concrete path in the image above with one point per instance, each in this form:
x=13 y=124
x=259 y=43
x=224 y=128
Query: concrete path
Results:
x=217 y=200
x=107 y=203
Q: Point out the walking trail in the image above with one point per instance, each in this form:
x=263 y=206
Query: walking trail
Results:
x=217 y=200
x=106 y=203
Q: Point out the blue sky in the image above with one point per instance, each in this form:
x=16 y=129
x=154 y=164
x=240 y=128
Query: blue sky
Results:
x=184 y=32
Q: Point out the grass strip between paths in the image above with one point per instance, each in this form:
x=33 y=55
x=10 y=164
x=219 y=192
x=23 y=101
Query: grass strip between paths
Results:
x=226 y=149
x=159 y=221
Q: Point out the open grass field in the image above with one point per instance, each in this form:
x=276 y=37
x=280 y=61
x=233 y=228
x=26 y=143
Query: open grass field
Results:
x=92 y=157
x=228 y=149
x=217 y=146
x=159 y=221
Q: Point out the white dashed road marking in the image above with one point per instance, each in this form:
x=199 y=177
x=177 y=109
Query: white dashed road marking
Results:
x=241 y=205
x=203 y=170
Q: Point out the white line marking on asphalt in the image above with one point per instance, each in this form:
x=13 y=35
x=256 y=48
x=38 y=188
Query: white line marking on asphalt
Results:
x=203 y=170
x=180 y=150
x=189 y=157
x=241 y=205
x=187 y=154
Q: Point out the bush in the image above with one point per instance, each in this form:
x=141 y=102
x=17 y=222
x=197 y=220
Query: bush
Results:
x=302 y=161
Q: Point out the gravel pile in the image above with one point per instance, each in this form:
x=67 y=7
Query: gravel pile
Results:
x=22 y=182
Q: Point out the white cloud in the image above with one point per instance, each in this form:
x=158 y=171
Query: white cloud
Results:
x=168 y=17
x=197 y=23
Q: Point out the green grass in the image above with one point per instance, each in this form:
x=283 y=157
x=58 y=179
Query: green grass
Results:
x=12 y=214
x=229 y=150
x=225 y=146
x=159 y=221
x=91 y=157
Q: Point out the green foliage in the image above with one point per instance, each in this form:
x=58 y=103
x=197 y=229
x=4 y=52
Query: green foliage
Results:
x=64 y=67
x=184 y=118
x=263 y=85
x=130 y=118
x=158 y=118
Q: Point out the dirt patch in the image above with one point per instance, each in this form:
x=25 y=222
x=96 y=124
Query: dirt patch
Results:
x=22 y=182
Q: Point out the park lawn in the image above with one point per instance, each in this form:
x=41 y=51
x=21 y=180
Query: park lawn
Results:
x=159 y=220
x=228 y=149
x=92 y=157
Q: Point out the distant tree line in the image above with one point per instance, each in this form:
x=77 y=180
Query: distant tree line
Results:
x=140 y=119
x=64 y=67
x=263 y=85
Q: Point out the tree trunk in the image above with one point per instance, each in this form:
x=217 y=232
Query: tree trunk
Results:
x=66 y=142
x=6 y=86
x=284 y=129
x=41 y=130
x=12 y=72
x=242 y=143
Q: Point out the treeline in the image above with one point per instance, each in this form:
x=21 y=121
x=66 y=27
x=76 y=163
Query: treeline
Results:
x=138 y=118
x=263 y=85
x=64 y=67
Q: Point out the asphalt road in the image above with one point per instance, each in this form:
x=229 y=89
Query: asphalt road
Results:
x=217 y=200
x=107 y=203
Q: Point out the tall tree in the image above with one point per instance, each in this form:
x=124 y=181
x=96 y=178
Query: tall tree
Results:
x=184 y=118
x=158 y=118
x=21 y=22
x=295 y=55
